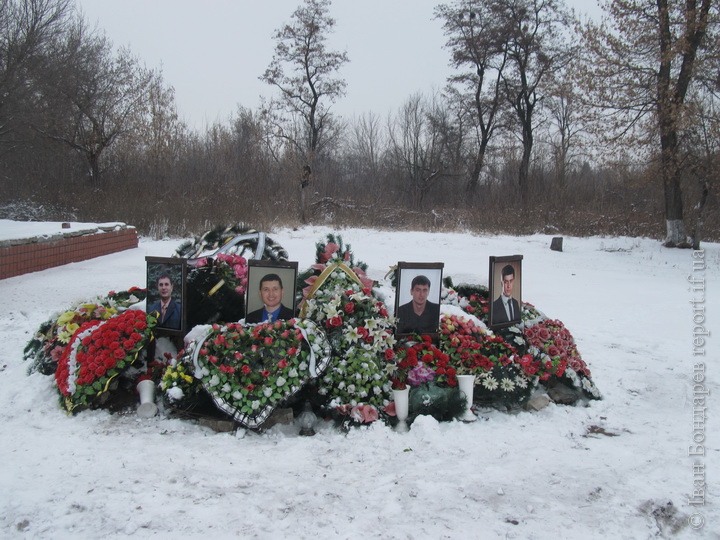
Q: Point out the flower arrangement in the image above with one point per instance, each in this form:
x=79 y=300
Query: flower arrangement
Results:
x=178 y=385
x=49 y=342
x=97 y=353
x=360 y=332
x=421 y=363
x=216 y=289
x=554 y=353
x=502 y=375
x=250 y=370
x=230 y=269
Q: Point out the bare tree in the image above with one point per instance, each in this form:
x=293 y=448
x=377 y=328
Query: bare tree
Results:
x=417 y=146
x=305 y=73
x=478 y=47
x=535 y=31
x=27 y=30
x=102 y=94
x=641 y=68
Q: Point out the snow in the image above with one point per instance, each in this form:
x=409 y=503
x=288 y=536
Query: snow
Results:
x=607 y=470
x=19 y=231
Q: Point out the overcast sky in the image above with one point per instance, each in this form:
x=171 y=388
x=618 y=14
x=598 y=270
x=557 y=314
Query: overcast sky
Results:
x=213 y=52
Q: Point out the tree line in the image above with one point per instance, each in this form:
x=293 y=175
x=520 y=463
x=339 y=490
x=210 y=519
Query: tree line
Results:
x=547 y=124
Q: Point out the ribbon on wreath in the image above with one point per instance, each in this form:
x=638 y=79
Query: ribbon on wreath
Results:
x=323 y=277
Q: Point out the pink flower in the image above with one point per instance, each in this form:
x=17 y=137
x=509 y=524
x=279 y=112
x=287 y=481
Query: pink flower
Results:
x=364 y=414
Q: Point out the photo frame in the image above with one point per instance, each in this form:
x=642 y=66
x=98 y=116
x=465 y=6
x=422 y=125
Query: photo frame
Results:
x=426 y=279
x=505 y=277
x=258 y=271
x=172 y=319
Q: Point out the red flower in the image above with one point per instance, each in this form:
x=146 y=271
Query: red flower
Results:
x=265 y=373
x=246 y=369
x=349 y=307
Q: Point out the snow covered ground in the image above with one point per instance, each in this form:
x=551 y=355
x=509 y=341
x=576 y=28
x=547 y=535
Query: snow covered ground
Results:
x=618 y=468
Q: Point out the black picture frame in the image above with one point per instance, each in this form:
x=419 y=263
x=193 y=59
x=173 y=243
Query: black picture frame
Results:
x=499 y=266
x=176 y=270
x=407 y=272
x=257 y=269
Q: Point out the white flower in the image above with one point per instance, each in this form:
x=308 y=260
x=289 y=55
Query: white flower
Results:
x=351 y=388
x=507 y=385
x=376 y=390
x=353 y=335
x=281 y=381
x=237 y=395
x=175 y=393
x=267 y=391
x=214 y=380
x=490 y=382
x=293 y=372
x=521 y=381
x=226 y=388
x=302 y=367
x=341 y=385
x=371 y=324
x=255 y=405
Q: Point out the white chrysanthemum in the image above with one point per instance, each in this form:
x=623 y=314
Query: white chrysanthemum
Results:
x=506 y=385
x=490 y=382
x=521 y=381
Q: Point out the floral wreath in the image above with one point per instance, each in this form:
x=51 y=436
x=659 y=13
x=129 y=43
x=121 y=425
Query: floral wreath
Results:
x=360 y=331
x=249 y=371
x=50 y=341
x=97 y=353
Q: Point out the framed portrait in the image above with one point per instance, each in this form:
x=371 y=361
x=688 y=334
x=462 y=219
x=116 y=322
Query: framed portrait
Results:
x=270 y=293
x=166 y=294
x=505 y=290
x=417 y=297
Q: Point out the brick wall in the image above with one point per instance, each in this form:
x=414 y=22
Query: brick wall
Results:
x=31 y=257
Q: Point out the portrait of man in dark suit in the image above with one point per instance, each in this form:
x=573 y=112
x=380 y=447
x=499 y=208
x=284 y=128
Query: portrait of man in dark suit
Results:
x=505 y=308
x=271 y=294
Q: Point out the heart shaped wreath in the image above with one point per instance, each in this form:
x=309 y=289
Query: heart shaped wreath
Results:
x=249 y=371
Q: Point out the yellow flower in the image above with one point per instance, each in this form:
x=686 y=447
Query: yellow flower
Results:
x=71 y=328
x=65 y=318
x=64 y=336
